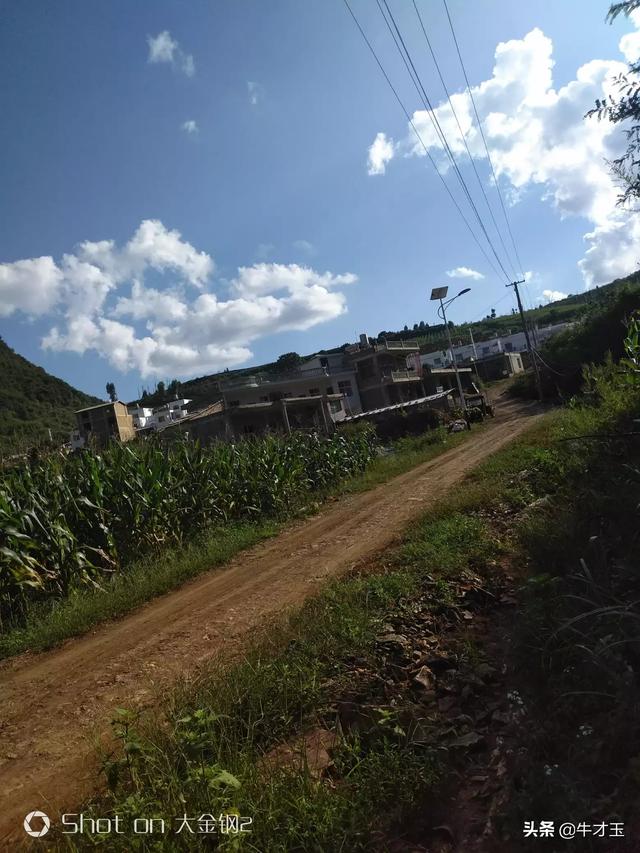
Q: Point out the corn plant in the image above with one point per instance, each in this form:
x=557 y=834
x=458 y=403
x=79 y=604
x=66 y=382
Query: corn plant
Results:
x=71 y=522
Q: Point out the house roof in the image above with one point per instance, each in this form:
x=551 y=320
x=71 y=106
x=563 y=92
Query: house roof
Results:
x=219 y=409
x=99 y=406
x=404 y=405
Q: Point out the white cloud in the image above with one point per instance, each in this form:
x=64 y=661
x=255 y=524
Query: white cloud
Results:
x=304 y=246
x=465 y=272
x=630 y=43
x=538 y=137
x=380 y=153
x=255 y=92
x=188 y=65
x=164 y=48
x=152 y=245
x=553 y=295
x=177 y=325
x=31 y=286
x=190 y=127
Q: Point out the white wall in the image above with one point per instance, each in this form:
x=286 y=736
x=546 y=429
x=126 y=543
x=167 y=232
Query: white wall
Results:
x=508 y=343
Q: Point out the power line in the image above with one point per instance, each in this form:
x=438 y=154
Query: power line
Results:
x=415 y=77
x=462 y=135
x=418 y=136
x=486 y=147
x=492 y=305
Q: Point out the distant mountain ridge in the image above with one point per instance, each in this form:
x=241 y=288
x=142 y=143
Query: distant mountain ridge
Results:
x=32 y=402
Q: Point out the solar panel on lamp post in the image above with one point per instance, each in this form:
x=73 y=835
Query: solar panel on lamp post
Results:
x=438 y=294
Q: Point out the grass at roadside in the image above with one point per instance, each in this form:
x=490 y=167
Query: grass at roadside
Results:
x=51 y=623
x=209 y=753
x=406 y=453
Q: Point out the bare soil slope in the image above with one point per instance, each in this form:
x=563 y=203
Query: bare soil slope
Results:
x=53 y=704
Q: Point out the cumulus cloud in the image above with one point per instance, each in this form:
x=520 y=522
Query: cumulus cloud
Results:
x=164 y=48
x=380 y=153
x=465 y=272
x=181 y=323
x=190 y=127
x=553 y=295
x=630 y=43
x=538 y=137
x=31 y=286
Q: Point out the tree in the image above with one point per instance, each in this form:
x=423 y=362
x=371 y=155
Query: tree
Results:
x=289 y=361
x=160 y=389
x=111 y=391
x=406 y=328
x=624 y=108
x=173 y=388
x=492 y=316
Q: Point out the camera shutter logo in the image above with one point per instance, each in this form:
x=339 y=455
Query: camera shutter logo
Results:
x=37 y=833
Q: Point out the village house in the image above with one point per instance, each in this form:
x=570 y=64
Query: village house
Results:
x=387 y=372
x=160 y=416
x=101 y=424
x=477 y=351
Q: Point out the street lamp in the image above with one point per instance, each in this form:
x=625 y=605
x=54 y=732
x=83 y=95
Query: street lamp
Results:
x=439 y=293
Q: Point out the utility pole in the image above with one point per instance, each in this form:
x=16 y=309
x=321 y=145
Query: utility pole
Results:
x=463 y=401
x=532 y=355
x=438 y=294
x=473 y=344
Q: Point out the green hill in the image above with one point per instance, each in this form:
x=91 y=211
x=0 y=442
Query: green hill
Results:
x=32 y=402
x=433 y=337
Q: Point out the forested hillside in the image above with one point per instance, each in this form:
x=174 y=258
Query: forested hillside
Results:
x=32 y=402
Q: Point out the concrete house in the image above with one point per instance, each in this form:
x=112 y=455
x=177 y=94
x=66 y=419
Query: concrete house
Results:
x=103 y=423
x=141 y=415
x=465 y=353
x=166 y=414
x=328 y=376
x=386 y=373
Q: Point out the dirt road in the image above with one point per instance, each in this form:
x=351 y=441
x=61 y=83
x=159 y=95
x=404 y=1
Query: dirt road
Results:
x=52 y=704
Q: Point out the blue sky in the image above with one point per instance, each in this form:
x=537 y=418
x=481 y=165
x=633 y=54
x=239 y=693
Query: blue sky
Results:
x=189 y=186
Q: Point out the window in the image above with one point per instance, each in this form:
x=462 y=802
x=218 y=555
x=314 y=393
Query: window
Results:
x=324 y=361
x=314 y=392
x=344 y=387
x=329 y=389
x=437 y=361
x=485 y=350
x=508 y=346
x=335 y=406
x=161 y=419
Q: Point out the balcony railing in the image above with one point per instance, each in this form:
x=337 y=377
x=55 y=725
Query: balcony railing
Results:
x=403 y=345
x=259 y=379
x=400 y=376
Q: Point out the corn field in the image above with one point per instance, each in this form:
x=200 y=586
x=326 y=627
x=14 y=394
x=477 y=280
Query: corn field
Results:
x=72 y=522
